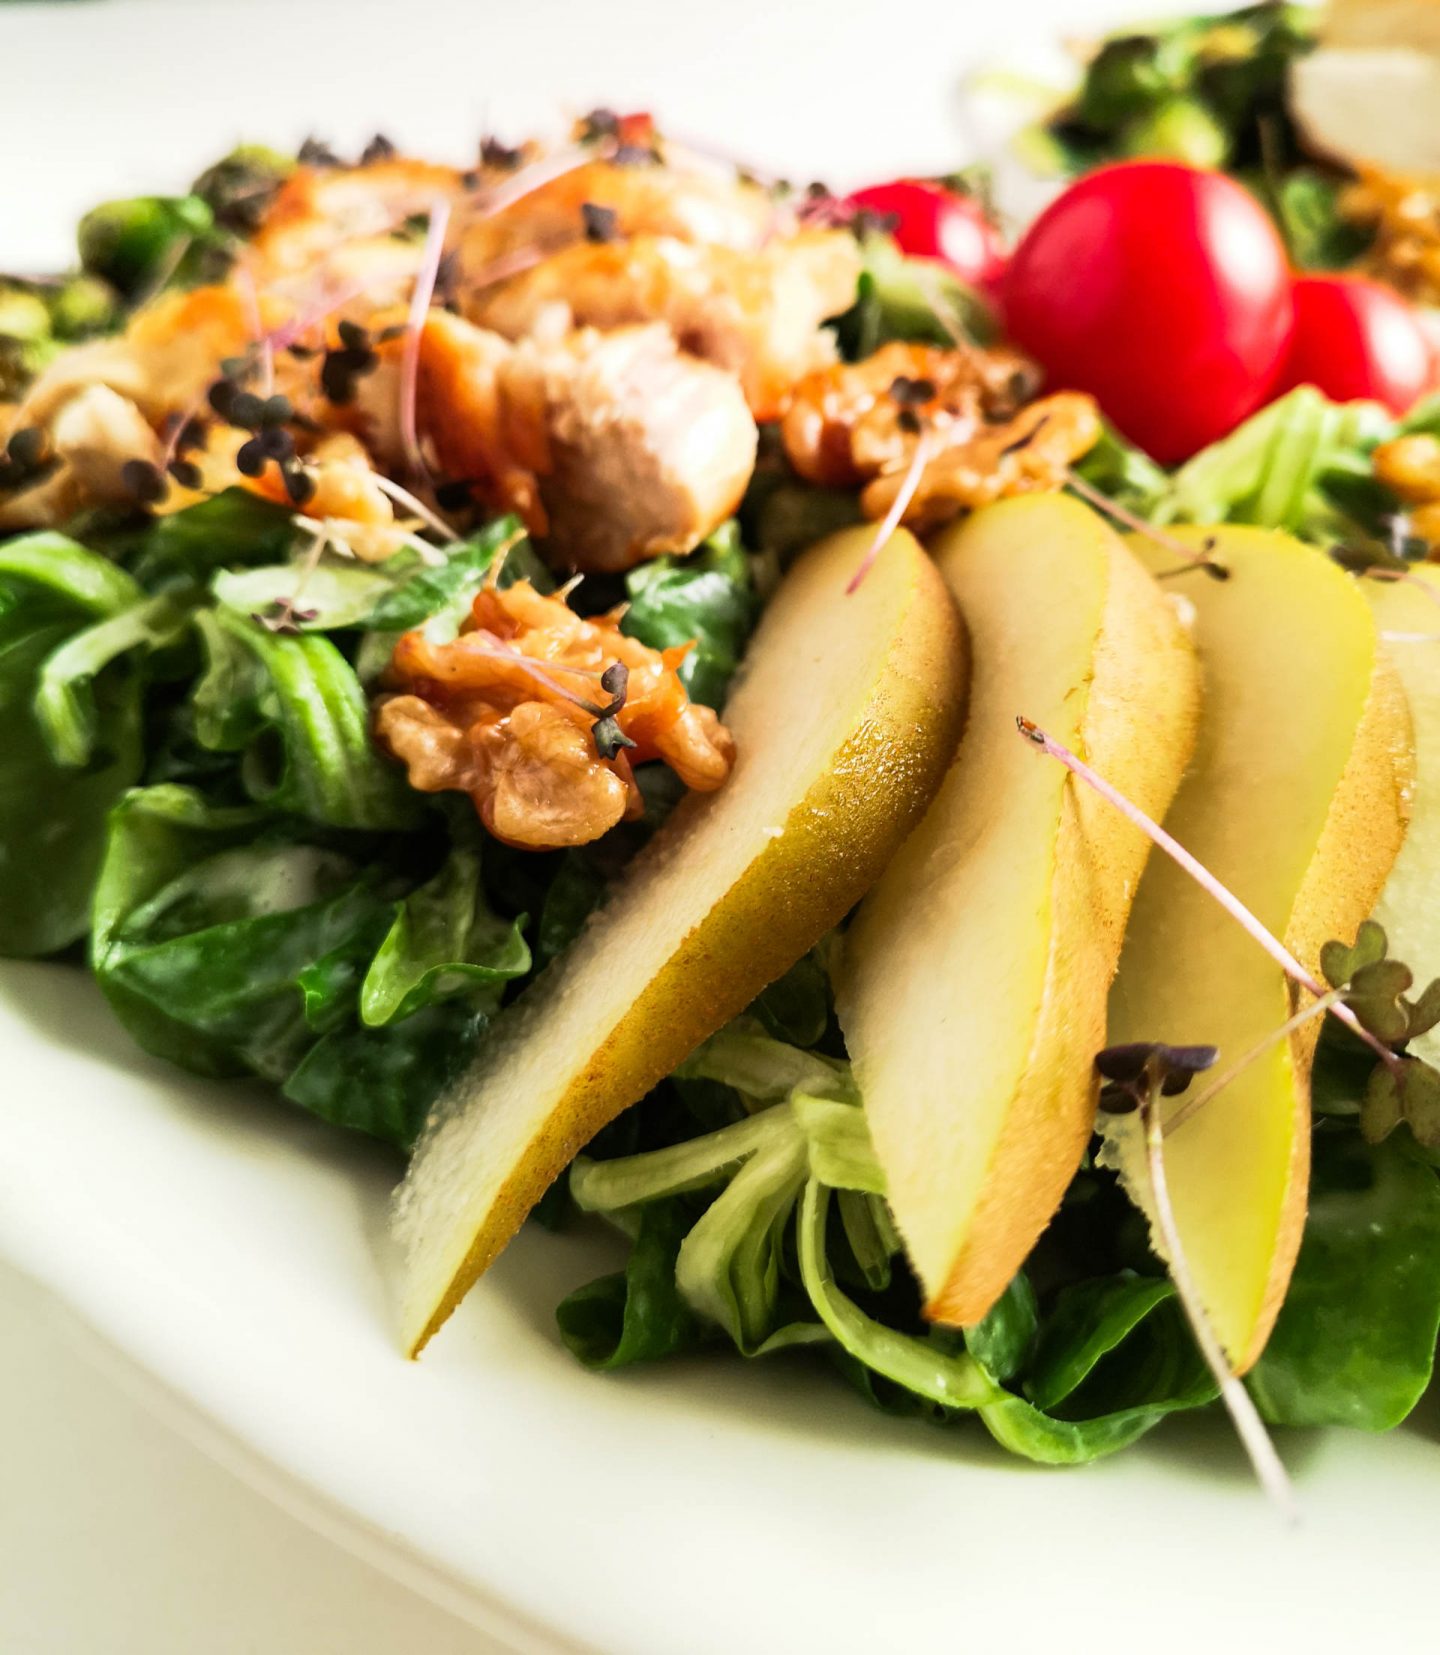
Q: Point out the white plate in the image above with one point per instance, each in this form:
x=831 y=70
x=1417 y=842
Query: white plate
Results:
x=237 y=1251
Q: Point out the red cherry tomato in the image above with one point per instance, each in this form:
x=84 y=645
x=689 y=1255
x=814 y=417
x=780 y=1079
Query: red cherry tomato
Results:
x=1357 y=338
x=932 y=222
x=1161 y=290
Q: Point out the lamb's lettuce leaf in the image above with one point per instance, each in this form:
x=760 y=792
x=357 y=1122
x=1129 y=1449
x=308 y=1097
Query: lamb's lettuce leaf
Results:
x=1273 y=469
x=230 y=940
x=1355 y=1341
x=383 y=1081
x=706 y=600
x=445 y=940
x=296 y=707
x=234 y=529
x=639 y=1314
x=52 y=815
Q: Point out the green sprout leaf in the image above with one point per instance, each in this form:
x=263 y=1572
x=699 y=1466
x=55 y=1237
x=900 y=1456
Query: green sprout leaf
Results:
x=1408 y=1092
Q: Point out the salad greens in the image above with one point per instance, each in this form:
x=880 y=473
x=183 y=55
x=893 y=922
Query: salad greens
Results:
x=188 y=786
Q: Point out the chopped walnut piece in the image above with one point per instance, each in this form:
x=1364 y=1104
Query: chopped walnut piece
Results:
x=860 y=424
x=1410 y=467
x=849 y=423
x=1404 y=212
x=1028 y=454
x=506 y=713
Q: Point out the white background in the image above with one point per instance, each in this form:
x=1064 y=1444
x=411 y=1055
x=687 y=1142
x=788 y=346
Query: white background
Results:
x=119 y=1537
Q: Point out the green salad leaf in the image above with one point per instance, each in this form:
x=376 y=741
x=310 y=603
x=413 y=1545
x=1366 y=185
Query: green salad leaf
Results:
x=909 y=299
x=298 y=710
x=445 y=940
x=52 y=813
x=706 y=600
x=1274 y=469
x=234 y=529
x=1355 y=1341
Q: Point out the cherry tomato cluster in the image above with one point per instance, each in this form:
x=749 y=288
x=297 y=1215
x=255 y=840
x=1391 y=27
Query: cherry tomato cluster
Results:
x=1166 y=293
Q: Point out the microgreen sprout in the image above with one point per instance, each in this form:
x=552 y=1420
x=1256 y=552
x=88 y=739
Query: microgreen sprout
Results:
x=25 y=460
x=1135 y=1078
x=1128 y=519
x=415 y=506
x=1202 y=876
x=891 y=520
x=424 y=291
x=609 y=738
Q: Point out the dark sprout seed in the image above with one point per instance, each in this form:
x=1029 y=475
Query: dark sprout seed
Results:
x=26 y=446
x=910 y=392
x=908 y=421
x=190 y=435
x=245 y=410
x=378 y=149
x=221 y=395
x=599 y=123
x=501 y=156
x=299 y=484
x=143 y=481
x=353 y=335
x=250 y=460
x=275 y=443
x=601 y=223
x=185 y=472
x=275 y=410
x=453 y=495
x=314 y=152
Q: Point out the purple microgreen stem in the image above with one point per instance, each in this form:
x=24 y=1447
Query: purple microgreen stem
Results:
x=538 y=173
x=416 y=507
x=1207 y=881
x=1249 y=1427
x=1137 y=525
x=260 y=343
x=1193 y=1105
x=891 y=520
x=424 y=291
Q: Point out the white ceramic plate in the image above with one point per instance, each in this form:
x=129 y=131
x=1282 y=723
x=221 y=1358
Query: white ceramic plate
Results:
x=236 y=1251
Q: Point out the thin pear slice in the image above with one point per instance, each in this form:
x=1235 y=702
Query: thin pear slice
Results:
x=975 y=975
x=1296 y=802
x=1408 y=615
x=845 y=718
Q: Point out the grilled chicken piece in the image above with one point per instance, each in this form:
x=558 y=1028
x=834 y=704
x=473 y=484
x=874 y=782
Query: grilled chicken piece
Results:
x=614 y=447
x=92 y=435
x=649 y=449
x=624 y=201
x=320 y=209
x=755 y=312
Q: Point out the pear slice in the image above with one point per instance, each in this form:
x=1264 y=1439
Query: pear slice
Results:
x=844 y=720
x=975 y=975
x=1409 y=908
x=1296 y=802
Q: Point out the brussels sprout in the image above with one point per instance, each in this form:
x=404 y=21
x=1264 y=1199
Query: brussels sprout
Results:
x=23 y=315
x=134 y=244
x=241 y=185
x=82 y=306
x=1124 y=81
x=1180 y=129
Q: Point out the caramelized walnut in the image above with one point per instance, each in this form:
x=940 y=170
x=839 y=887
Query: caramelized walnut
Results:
x=511 y=713
x=860 y=424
